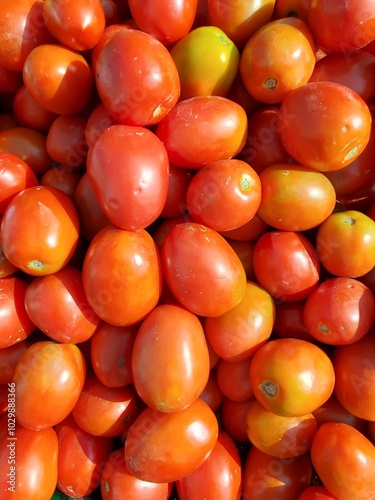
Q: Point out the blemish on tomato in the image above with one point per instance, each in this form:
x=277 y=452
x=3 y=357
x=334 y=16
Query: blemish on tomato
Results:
x=36 y=264
x=324 y=328
x=269 y=388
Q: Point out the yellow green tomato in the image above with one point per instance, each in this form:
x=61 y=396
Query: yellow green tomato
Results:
x=207 y=62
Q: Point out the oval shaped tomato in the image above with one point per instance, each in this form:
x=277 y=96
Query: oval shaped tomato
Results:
x=145 y=85
x=40 y=230
x=202 y=270
x=344 y=459
x=122 y=275
x=29 y=461
x=234 y=380
x=153 y=454
x=291 y=377
x=295 y=198
x=53 y=374
x=203 y=129
x=61 y=178
x=233 y=419
x=128 y=168
x=9 y=357
x=29 y=113
x=170 y=360
x=224 y=194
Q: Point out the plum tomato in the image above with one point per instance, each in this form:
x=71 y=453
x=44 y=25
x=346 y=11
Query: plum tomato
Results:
x=29 y=113
x=202 y=270
x=316 y=493
x=9 y=357
x=233 y=379
x=291 y=377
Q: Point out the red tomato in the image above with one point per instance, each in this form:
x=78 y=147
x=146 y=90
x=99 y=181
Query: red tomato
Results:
x=29 y=113
x=224 y=194
x=178 y=183
x=212 y=394
x=245 y=251
x=286 y=265
x=234 y=380
x=289 y=321
x=52 y=374
x=170 y=360
x=61 y=178
x=339 y=125
x=29 y=464
x=218 y=477
x=9 y=357
x=16 y=324
x=122 y=275
x=316 y=493
x=233 y=418
x=203 y=129
x=152 y=452
x=291 y=377
x=10 y=81
x=128 y=168
x=105 y=411
x=202 y=270
x=145 y=85
x=250 y=231
x=289 y=8
x=74 y=320
x=344 y=459
x=77 y=25
x=6 y=268
x=98 y=120
x=83 y=452
x=40 y=230
x=58 y=78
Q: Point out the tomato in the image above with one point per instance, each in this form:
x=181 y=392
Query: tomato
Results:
x=122 y=275
x=79 y=450
x=61 y=178
x=178 y=183
x=316 y=493
x=277 y=58
x=10 y=81
x=286 y=265
x=234 y=380
x=153 y=454
x=342 y=28
x=344 y=459
x=279 y=436
x=339 y=311
x=354 y=366
x=233 y=418
x=212 y=394
x=66 y=142
x=292 y=8
x=51 y=215
x=224 y=194
x=111 y=349
x=128 y=168
x=9 y=357
x=291 y=377
x=193 y=258
x=105 y=411
x=29 y=113
x=76 y=25
x=211 y=479
x=238 y=333
x=98 y=119
x=116 y=479
x=16 y=323
x=266 y=477
x=167 y=21
x=53 y=374
x=245 y=251
x=295 y=198
x=203 y=129
x=170 y=360
x=27 y=144
x=289 y=321
x=146 y=85
x=207 y=62
x=6 y=268
x=29 y=464
x=240 y=19
x=339 y=125
x=22 y=28
x=250 y=231
x=16 y=176
x=345 y=243
x=51 y=71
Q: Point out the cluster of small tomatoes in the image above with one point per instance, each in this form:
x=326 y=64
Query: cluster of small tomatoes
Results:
x=187 y=204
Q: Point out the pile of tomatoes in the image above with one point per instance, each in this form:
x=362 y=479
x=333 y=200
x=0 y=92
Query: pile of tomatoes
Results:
x=187 y=204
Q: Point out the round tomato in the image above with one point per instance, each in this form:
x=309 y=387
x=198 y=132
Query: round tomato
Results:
x=40 y=230
x=53 y=374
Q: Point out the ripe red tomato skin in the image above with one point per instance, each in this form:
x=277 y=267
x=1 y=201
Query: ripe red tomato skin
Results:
x=9 y=358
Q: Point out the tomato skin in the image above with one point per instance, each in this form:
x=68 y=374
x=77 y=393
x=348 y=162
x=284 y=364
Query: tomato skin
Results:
x=295 y=198
x=145 y=87
x=212 y=476
x=203 y=129
x=52 y=373
x=16 y=323
x=9 y=357
x=233 y=379
x=79 y=450
x=30 y=114
x=170 y=360
x=194 y=255
x=233 y=418
x=128 y=169
x=51 y=215
x=151 y=454
x=338 y=450
x=61 y=178
x=289 y=321
x=316 y=493
x=178 y=183
x=121 y=288
x=34 y=464
x=339 y=125
x=291 y=377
